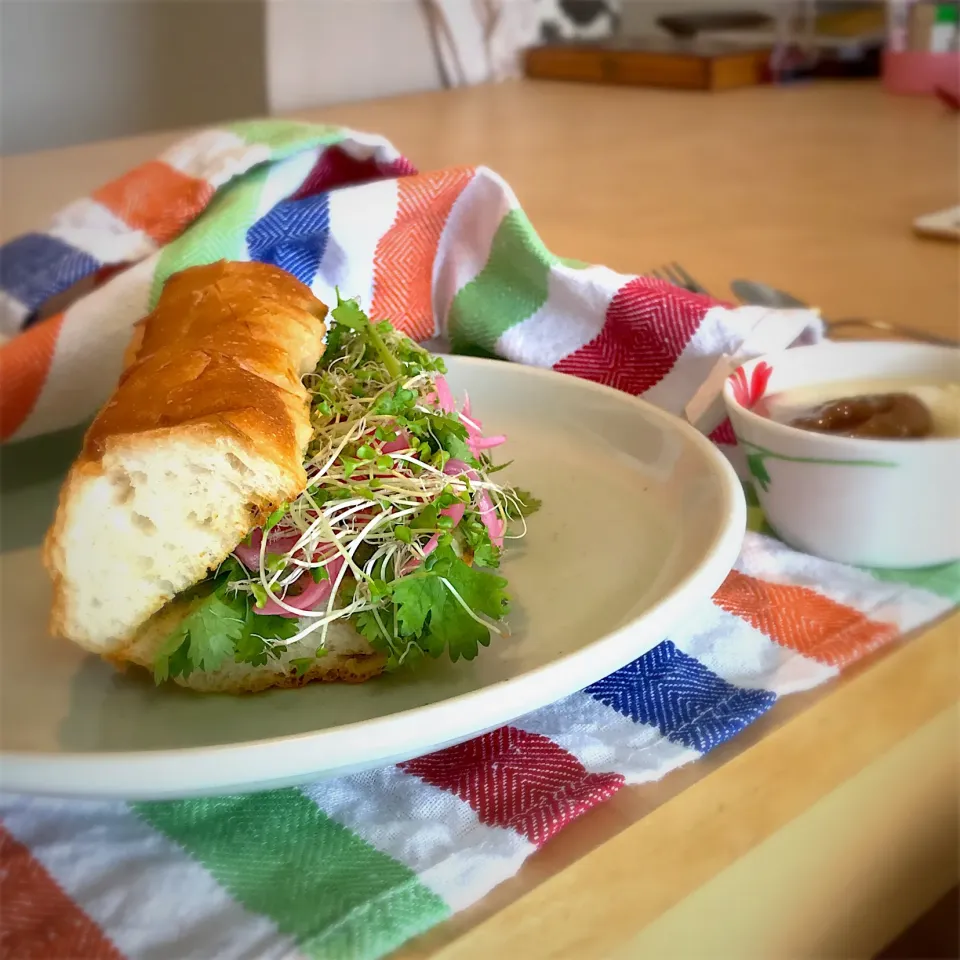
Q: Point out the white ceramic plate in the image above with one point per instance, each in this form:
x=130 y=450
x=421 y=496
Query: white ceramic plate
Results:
x=641 y=518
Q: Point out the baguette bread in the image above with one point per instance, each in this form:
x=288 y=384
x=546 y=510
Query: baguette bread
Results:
x=203 y=437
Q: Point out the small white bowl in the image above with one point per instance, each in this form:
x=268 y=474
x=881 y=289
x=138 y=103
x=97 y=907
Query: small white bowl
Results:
x=876 y=503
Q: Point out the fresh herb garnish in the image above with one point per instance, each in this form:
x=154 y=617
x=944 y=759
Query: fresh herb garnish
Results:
x=220 y=625
x=521 y=504
x=410 y=534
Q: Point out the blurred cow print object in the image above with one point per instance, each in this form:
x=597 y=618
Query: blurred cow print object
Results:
x=577 y=19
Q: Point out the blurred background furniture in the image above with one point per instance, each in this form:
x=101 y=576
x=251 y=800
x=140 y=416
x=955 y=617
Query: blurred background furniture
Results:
x=73 y=71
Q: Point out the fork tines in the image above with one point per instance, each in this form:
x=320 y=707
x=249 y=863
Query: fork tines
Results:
x=675 y=273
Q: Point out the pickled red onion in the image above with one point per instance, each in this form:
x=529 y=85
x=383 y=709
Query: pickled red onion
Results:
x=455 y=512
x=431 y=545
x=476 y=444
x=454 y=468
x=445 y=399
x=402 y=442
x=249 y=556
x=310 y=597
x=488 y=514
x=473 y=425
x=485 y=443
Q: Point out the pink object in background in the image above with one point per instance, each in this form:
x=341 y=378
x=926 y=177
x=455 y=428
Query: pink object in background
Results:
x=917 y=72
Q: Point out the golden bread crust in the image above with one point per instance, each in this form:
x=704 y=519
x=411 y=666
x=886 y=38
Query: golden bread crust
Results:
x=224 y=345
x=219 y=359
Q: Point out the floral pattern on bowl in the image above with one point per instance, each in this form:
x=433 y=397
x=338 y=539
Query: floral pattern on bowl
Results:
x=881 y=503
x=749 y=393
x=756 y=455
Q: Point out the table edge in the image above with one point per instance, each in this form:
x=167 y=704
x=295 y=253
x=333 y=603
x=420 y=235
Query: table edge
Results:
x=762 y=789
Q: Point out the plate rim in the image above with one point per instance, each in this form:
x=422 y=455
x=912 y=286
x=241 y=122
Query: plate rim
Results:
x=32 y=772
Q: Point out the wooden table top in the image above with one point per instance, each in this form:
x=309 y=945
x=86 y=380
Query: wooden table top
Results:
x=810 y=188
x=828 y=825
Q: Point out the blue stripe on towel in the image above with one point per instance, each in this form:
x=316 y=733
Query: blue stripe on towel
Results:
x=679 y=695
x=293 y=235
x=36 y=267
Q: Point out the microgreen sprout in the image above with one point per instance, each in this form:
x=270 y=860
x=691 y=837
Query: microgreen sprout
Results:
x=400 y=520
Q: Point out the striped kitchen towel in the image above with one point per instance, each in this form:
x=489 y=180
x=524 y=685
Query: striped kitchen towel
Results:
x=354 y=867
x=444 y=253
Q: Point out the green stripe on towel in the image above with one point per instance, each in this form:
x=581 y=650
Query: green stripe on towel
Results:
x=279 y=855
x=284 y=137
x=511 y=287
x=219 y=233
x=943 y=581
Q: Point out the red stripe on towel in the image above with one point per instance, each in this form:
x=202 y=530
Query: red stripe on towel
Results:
x=519 y=780
x=38 y=921
x=647 y=325
x=336 y=168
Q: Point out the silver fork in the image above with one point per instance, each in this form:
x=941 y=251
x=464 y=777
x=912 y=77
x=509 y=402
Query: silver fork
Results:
x=674 y=273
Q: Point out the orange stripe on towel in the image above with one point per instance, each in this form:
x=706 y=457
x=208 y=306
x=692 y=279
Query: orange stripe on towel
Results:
x=156 y=199
x=403 y=263
x=802 y=619
x=38 y=921
x=24 y=365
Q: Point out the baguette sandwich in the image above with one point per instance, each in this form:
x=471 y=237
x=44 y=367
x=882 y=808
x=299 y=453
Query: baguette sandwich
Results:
x=266 y=501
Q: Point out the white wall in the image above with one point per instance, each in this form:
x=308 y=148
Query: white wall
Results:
x=332 y=51
x=79 y=70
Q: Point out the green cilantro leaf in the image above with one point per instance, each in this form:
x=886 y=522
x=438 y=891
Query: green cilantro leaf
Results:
x=528 y=504
x=349 y=314
x=486 y=555
x=221 y=624
x=252 y=649
x=173 y=657
x=428 y=610
x=334 y=340
x=456 y=447
x=214 y=628
x=301 y=665
x=366 y=623
x=230 y=569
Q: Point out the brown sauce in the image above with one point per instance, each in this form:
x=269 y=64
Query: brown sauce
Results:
x=884 y=416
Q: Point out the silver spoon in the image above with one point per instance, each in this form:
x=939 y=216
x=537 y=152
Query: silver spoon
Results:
x=761 y=295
